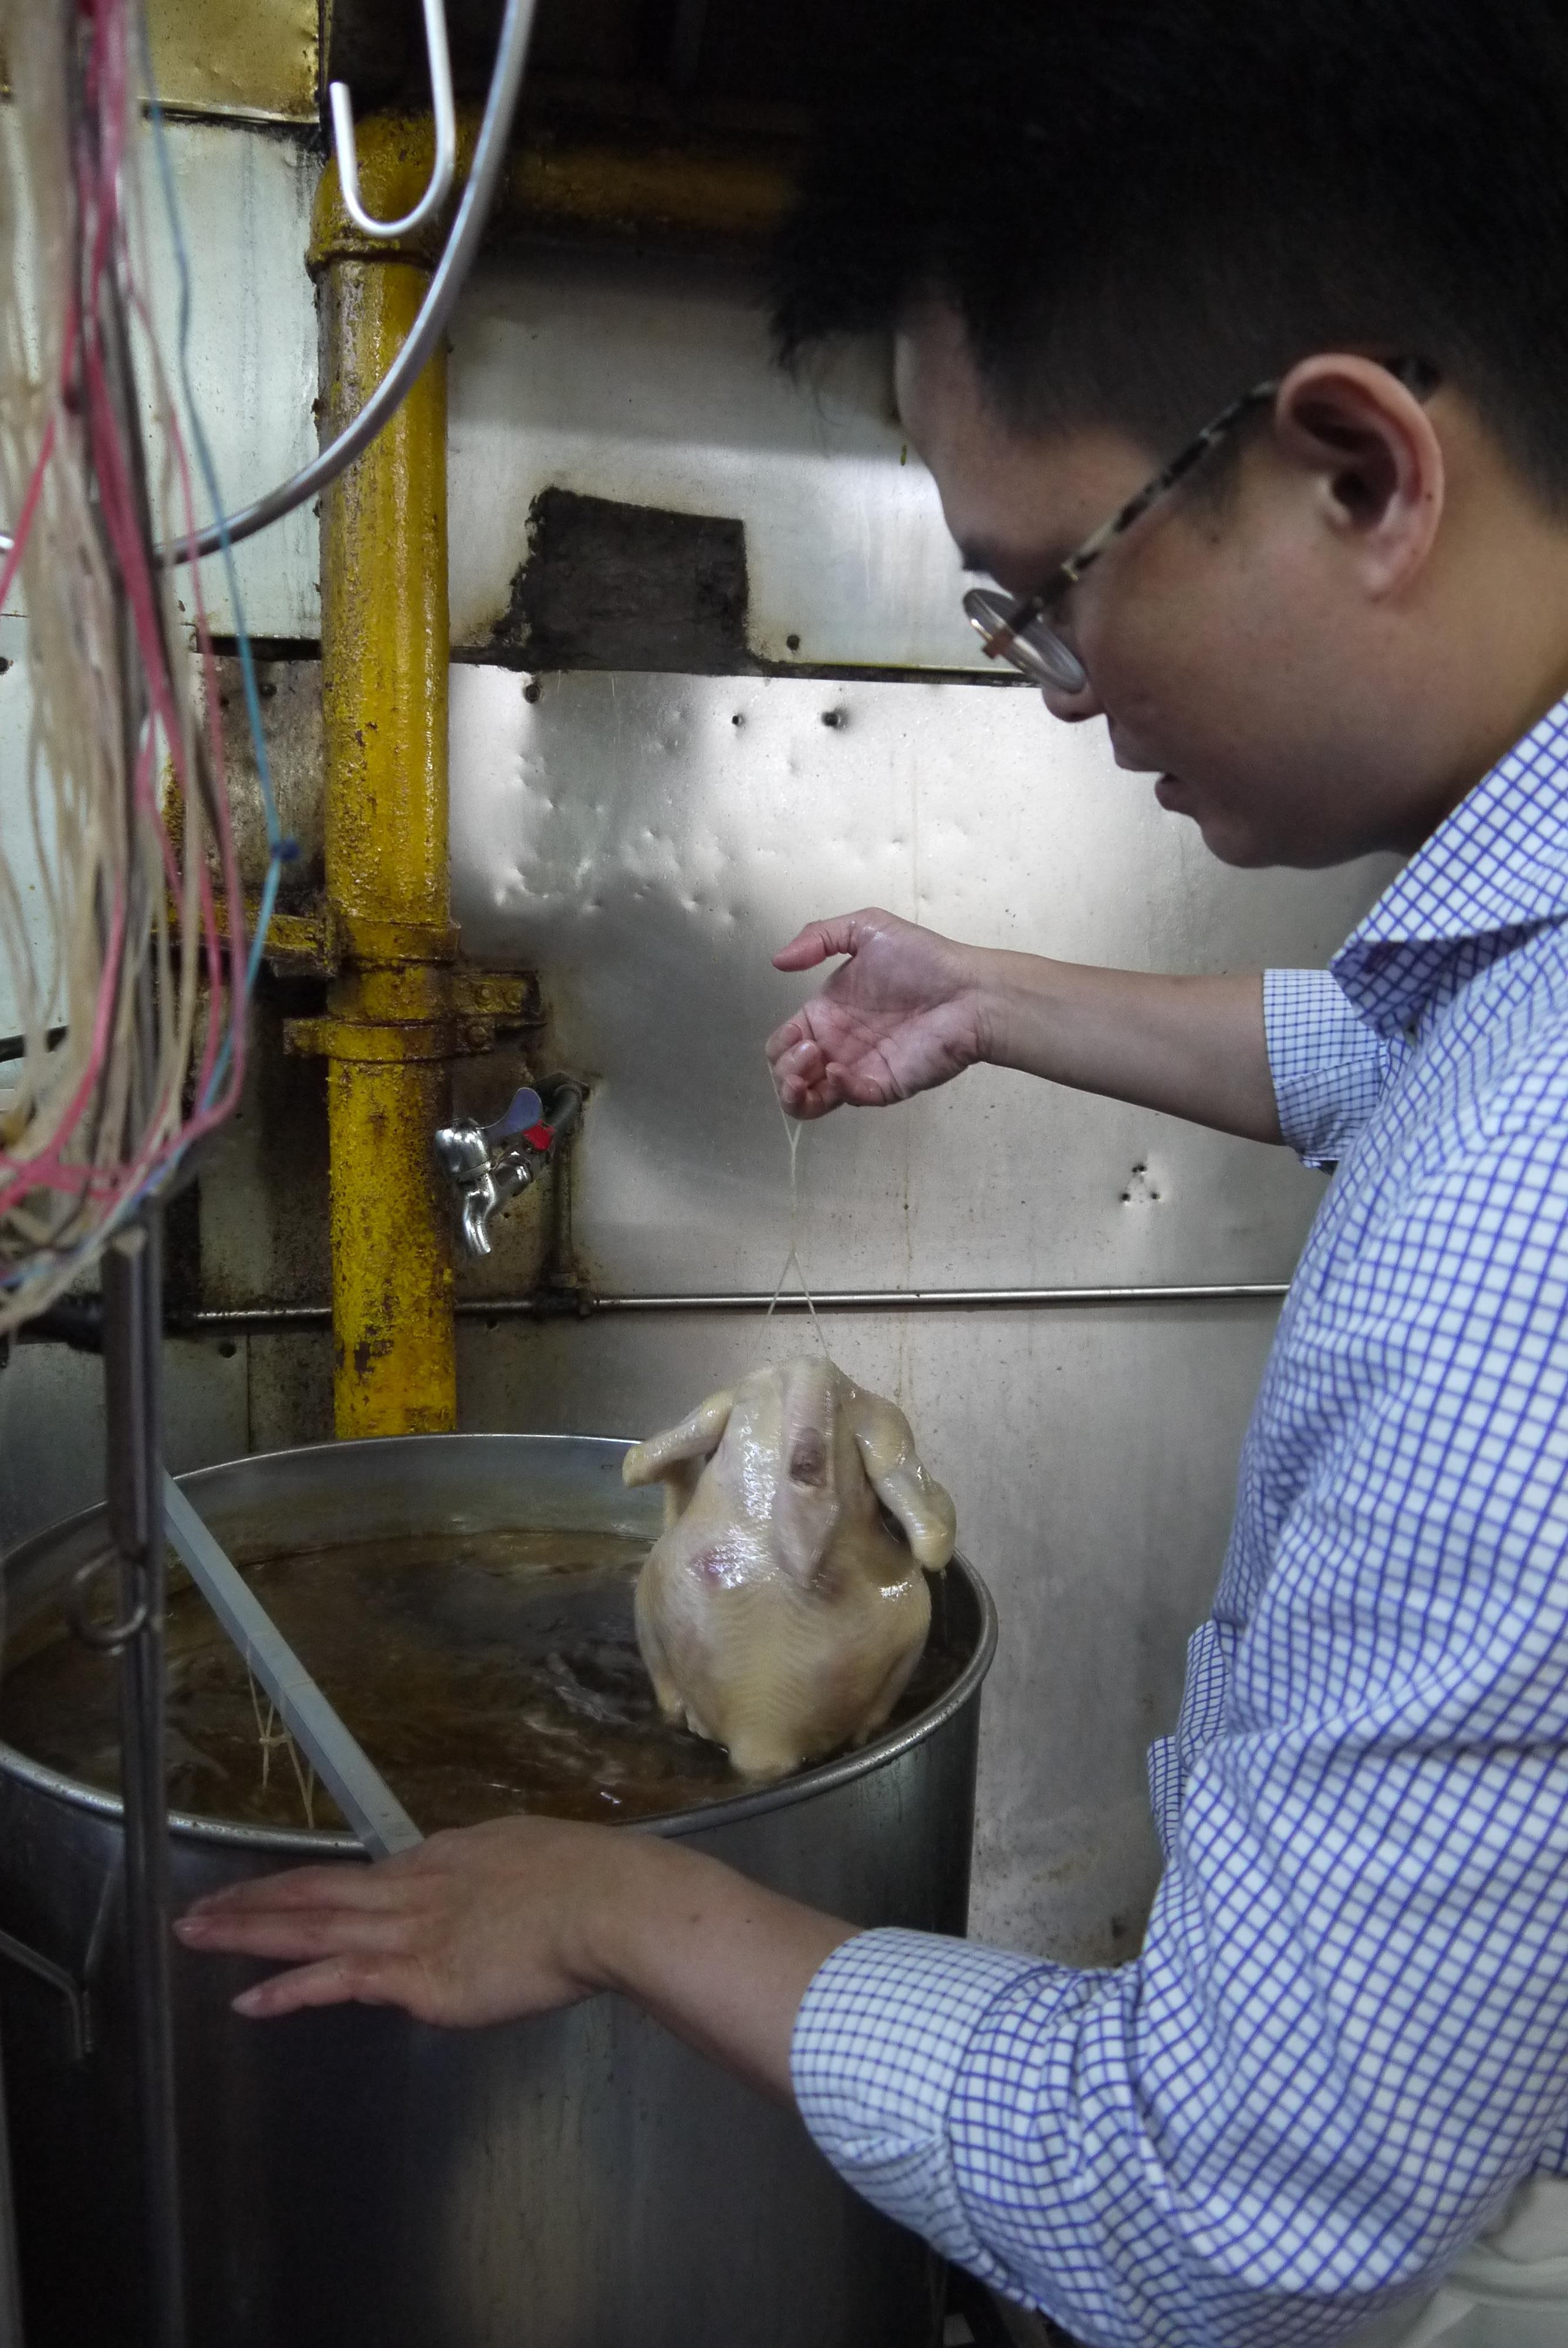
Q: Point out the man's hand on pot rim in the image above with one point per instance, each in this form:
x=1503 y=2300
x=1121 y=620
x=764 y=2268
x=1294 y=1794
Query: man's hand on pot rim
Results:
x=523 y=1915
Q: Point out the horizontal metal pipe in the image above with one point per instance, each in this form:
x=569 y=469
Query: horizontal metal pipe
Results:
x=833 y=1300
x=929 y=1300
x=874 y=1300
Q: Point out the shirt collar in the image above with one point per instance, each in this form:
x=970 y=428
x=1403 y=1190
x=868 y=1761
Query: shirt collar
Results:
x=1499 y=862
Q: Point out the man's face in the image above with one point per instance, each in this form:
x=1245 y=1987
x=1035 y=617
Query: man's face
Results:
x=1228 y=641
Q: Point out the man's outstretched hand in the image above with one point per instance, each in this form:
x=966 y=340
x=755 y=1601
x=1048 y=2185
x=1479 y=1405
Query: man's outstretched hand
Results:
x=523 y=1915
x=909 y=1009
x=470 y=1928
x=903 y=1014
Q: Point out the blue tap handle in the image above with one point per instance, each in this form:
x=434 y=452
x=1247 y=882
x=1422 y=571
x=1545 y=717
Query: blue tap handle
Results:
x=526 y=1111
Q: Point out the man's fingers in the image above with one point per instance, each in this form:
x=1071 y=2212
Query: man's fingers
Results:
x=806 y=1083
x=806 y=949
x=857 y=1089
x=337 y=1980
x=794 y=1036
x=805 y=1063
x=832 y=1090
x=842 y=933
x=807 y=1106
x=295 y=1933
x=382 y=1885
x=800 y=1072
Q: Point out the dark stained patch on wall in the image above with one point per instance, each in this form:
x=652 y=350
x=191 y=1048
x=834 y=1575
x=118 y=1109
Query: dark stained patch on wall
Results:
x=612 y=586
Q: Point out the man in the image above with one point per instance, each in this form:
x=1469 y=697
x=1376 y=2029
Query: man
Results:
x=1283 y=291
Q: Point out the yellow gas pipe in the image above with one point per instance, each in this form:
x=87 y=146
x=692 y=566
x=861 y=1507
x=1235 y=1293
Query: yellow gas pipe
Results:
x=388 y=1033
x=398 y=1008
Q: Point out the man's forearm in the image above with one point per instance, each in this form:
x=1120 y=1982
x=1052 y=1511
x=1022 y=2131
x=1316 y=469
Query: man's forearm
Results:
x=1193 y=1046
x=721 y=1963
x=523 y=1915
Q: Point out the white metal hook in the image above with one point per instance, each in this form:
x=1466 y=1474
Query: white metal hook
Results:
x=446 y=118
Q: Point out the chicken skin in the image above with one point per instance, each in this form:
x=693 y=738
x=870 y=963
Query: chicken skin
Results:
x=784 y=1606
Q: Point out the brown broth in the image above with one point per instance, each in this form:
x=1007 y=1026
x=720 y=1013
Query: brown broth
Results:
x=481 y=1674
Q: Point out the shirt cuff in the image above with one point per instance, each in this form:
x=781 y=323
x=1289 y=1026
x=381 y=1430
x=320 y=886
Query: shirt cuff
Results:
x=1329 y=1067
x=879 y=2044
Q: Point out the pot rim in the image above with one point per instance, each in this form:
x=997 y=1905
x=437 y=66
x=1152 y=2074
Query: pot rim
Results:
x=823 y=1778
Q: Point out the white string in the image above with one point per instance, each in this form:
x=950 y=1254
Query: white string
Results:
x=271 y=1733
x=794 y=1131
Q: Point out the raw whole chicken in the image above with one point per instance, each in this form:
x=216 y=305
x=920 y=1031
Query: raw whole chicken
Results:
x=785 y=1605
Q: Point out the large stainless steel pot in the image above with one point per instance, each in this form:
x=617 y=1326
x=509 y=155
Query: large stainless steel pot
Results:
x=355 y=2180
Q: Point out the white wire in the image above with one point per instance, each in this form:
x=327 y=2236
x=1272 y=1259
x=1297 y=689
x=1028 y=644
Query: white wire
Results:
x=121 y=966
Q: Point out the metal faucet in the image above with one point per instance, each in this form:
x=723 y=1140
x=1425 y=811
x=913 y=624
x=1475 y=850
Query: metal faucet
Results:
x=490 y=1164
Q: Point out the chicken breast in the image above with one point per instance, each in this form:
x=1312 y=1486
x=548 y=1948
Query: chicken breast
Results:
x=784 y=1606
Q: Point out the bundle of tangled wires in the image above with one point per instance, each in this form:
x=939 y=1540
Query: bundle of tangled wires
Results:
x=123 y=950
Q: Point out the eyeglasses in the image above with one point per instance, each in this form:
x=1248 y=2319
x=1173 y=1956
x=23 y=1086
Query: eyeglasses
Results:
x=1014 y=628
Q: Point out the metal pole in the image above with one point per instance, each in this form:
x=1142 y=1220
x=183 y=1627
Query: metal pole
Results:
x=133 y=1328
x=10 y=2283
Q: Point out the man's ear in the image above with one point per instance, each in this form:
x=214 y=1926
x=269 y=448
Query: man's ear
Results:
x=1375 y=455
x=677 y=1457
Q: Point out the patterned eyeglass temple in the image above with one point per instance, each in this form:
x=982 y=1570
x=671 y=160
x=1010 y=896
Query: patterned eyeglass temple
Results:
x=1417 y=375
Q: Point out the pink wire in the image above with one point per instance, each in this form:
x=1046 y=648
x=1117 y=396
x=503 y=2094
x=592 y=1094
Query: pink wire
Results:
x=97 y=187
x=144 y=606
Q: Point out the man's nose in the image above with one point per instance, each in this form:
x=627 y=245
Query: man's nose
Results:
x=1073 y=708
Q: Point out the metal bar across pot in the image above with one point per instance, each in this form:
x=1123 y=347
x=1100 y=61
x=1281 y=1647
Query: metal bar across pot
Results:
x=352 y=1779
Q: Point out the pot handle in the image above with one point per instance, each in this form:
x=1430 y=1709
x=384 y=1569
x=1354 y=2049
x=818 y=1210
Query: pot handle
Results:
x=77 y=2007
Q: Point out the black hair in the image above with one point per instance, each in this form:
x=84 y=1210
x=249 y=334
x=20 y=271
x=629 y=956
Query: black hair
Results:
x=1140 y=208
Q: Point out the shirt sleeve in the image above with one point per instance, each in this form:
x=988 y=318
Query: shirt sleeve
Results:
x=1328 y=1066
x=1346 y=2039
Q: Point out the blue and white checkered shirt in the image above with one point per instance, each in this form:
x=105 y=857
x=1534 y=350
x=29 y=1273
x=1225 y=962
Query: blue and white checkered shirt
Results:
x=1347 y=2037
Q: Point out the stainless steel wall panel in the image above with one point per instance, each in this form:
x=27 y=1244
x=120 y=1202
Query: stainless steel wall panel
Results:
x=52 y=1424
x=263 y=1182
x=291 y=1387
x=647 y=842
x=245 y=197
x=653 y=385
x=245 y=204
